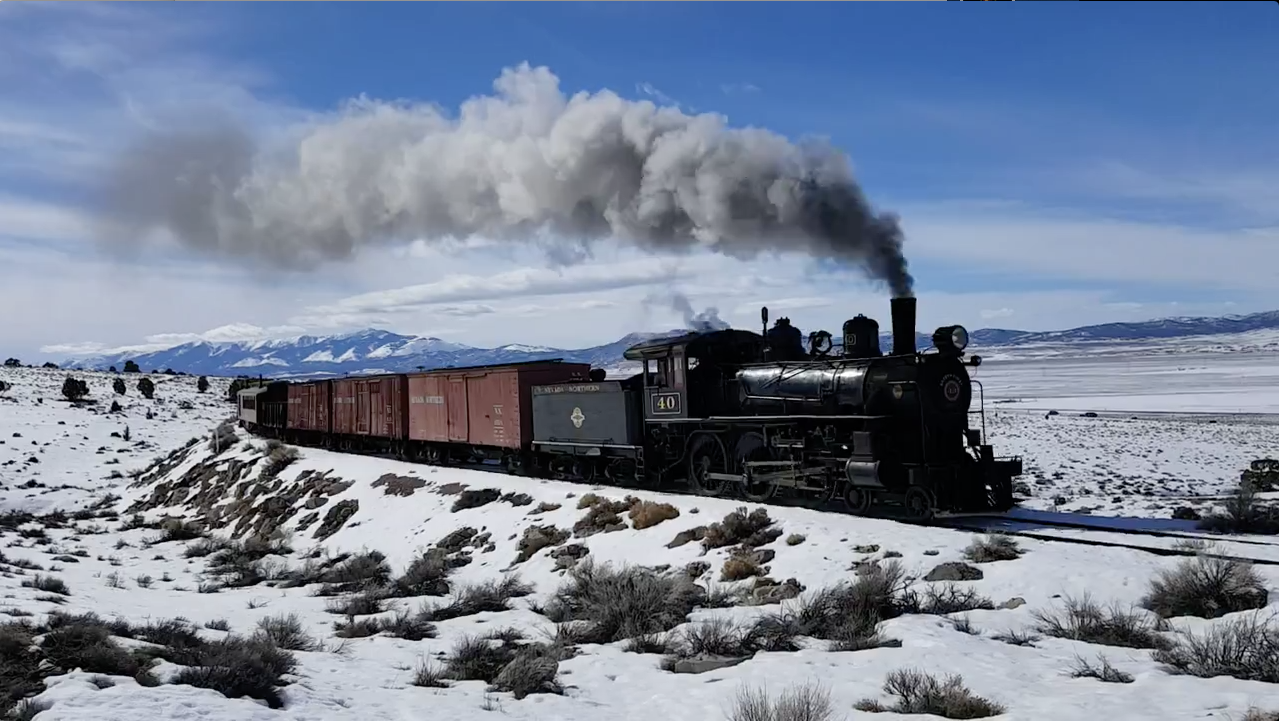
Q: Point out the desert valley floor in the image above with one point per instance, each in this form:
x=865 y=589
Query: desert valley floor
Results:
x=395 y=591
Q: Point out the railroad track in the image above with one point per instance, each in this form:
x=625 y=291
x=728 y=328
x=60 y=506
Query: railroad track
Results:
x=965 y=522
x=972 y=523
x=1012 y=524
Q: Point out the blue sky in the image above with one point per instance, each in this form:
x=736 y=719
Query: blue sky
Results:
x=1054 y=164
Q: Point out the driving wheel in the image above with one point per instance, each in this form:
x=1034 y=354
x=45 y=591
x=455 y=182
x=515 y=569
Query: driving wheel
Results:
x=753 y=447
x=857 y=500
x=918 y=504
x=707 y=456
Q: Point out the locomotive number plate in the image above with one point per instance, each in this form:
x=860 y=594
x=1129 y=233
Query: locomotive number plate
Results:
x=665 y=404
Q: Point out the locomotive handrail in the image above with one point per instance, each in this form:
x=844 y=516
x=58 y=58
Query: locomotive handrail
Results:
x=981 y=399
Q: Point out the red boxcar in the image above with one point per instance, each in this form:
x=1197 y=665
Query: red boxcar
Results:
x=371 y=406
x=483 y=406
x=309 y=406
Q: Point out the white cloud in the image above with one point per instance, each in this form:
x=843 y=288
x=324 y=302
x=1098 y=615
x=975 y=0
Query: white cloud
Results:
x=989 y=314
x=739 y=88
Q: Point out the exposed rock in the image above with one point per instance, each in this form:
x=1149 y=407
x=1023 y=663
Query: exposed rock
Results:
x=399 y=485
x=337 y=516
x=955 y=571
x=567 y=556
x=457 y=540
x=518 y=499
x=544 y=508
x=696 y=569
x=696 y=533
x=767 y=591
x=475 y=498
x=538 y=537
x=708 y=663
x=1015 y=602
x=315 y=502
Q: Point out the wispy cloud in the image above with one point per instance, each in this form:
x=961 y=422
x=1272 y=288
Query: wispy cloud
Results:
x=739 y=88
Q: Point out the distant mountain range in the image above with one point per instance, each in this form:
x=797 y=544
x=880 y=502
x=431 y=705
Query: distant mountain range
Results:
x=377 y=351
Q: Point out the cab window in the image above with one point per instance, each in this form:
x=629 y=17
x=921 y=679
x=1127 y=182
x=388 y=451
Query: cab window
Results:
x=663 y=372
x=677 y=369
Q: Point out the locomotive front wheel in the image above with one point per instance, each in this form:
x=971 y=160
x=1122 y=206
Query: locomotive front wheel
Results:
x=857 y=500
x=753 y=447
x=707 y=456
x=918 y=504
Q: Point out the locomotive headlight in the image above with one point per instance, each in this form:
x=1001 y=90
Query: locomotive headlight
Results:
x=951 y=338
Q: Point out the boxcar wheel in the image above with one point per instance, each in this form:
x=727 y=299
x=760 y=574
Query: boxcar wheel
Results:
x=707 y=455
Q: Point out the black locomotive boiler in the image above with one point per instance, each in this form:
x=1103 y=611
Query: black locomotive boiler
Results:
x=733 y=411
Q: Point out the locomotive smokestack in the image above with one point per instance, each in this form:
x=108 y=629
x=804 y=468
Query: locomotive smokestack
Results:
x=903 y=325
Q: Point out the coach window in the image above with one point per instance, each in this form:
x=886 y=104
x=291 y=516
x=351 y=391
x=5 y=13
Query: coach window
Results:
x=677 y=361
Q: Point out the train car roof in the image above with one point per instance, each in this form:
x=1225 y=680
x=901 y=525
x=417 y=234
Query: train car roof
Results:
x=695 y=341
x=252 y=391
x=492 y=366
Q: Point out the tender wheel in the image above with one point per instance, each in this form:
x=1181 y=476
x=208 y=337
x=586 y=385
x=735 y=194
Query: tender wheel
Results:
x=707 y=456
x=753 y=447
x=584 y=470
x=857 y=500
x=918 y=504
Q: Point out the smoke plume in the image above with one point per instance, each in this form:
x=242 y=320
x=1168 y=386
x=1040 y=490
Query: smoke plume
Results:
x=526 y=164
x=704 y=321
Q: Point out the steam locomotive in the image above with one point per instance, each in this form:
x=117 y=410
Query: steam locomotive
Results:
x=719 y=412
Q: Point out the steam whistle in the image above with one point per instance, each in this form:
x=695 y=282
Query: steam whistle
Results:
x=763 y=317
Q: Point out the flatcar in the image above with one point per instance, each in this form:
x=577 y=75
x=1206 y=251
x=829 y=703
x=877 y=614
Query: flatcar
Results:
x=719 y=412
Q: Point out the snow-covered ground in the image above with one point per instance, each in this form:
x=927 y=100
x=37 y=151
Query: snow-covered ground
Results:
x=351 y=504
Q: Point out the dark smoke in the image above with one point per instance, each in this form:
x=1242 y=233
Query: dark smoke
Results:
x=526 y=165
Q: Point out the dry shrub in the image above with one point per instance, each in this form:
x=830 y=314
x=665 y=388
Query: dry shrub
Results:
x=750 y=529
x=286 y=632
x=48 y=584
x=1246 y=647
x=647 y=514
x=994 y=547
x=919 y=693
x=624 y=603
x=1207 y=587
x=410 y=626
x=500 y=659
x=425 y=576
x=1103 y=672
x=487 y=597
x=1244 y=513
x=809 y=702
x=278 y=458
x=1085 y=620
x=739 y=567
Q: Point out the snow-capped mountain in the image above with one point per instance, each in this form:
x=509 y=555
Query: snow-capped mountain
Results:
x=376 y=351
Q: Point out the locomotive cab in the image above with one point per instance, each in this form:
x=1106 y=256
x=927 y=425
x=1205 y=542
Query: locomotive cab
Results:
x=693 y=375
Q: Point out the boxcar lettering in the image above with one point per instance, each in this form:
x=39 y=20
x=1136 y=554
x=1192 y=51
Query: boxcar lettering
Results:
x=579 y=388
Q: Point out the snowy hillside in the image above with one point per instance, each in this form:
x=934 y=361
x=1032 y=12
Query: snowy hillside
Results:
x=373 y=351
x=260 y=582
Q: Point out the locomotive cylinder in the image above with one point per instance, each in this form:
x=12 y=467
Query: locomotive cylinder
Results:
x=903 y=325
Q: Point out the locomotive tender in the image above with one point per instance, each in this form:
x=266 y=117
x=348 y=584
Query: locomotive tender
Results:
x=726 y=411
